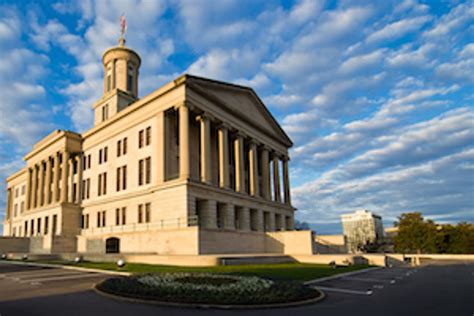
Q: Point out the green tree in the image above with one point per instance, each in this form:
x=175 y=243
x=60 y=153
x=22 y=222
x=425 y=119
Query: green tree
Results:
x=415 y=235
x=461 y=239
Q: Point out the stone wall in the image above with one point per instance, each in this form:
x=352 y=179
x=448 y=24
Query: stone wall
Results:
x=14 y=244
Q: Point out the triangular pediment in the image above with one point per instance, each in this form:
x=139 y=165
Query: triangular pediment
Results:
x=241 y=100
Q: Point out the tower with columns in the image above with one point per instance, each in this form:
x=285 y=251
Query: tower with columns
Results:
x=198 y=166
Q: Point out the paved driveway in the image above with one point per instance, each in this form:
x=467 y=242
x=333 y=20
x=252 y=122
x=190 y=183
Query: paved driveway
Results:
x=446 y=289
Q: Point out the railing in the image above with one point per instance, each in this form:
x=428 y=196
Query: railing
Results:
x=170 y=223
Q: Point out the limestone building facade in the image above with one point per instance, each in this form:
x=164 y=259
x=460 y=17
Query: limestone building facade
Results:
x=196 y=167
x=360 y=228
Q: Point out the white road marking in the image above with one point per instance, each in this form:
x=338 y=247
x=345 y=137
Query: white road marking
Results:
x=368 y=280
x=378 y=286
x=47 y=275
x=59 y=278
x=346 y=291
x=25 y=273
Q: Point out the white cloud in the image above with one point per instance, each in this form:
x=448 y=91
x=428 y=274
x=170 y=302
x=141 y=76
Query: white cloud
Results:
x=398 y=29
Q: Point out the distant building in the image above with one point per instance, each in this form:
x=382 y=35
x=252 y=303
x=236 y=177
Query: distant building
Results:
x=360 y=228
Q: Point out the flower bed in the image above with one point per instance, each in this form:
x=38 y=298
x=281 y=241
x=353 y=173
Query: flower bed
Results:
x=203 y=288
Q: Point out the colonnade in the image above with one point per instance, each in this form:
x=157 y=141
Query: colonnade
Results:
x=51 y=180
x=258 y=155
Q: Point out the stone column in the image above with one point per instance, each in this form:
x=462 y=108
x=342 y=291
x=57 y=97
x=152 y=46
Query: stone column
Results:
x=48 y=181
x=253 y=169
x=276 y=178
x=239 y=163
x=184 y=168
x=245 y=218
x=35 y=187
x=71 y=179
x=56 y=178
x=9 y=200
x=286 y=181
x=265 y=174
x=208 y=214
x=223 y=135
x=41 y=184
x=205 y=136
x=161 y=151
x=64 y=177
x=79 y=178
x=229 y=216
x=28 y=188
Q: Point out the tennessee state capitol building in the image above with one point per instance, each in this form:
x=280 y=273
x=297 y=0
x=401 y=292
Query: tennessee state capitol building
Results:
x=196 y=167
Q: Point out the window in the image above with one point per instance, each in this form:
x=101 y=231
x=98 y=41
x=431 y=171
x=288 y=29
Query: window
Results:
x=129 y=82
x=88 y=161
x=15 y=212
x=101 y=218
x=26 y=228
x=119 y=148
x=46 y=225
x=140 y=139
x=147 y=212
x=86 y=183
x=38 y=229
x=120 y=216
x=140 y=213
x=148 y=136
x=22 y=207
x=23 y=188
x=144 y=171
x=121 y=178
x=105 y=112
x=125 y=146
x=102 y=184
x=103 y=155
x=109 y=82
x=144 y=213
x=17 y=191
x=85 y=221
x=148 y=170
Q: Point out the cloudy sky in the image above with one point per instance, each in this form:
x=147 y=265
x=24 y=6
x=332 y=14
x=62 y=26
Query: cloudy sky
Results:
x=376 y=95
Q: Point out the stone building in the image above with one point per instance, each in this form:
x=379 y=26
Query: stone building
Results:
x=196 y=167
x=360 y=228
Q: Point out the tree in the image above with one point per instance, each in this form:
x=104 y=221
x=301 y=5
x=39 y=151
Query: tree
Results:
x=301 y=225
x=415 y=234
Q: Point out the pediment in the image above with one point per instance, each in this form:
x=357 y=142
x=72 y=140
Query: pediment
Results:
x=241 y=100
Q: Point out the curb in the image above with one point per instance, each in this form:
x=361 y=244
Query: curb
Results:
x=208 y=306
x=341 y=275
x=59 y=266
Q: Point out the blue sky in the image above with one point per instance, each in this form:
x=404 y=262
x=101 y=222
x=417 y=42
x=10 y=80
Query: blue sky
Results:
x=376 y=95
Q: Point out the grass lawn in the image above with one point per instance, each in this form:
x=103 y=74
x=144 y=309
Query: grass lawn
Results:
x=286 y=271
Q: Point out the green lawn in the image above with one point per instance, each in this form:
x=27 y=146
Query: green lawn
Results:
x=288 y=271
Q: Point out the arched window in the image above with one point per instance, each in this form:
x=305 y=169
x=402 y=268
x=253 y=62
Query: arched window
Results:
x=112 y=245
x=130 y=78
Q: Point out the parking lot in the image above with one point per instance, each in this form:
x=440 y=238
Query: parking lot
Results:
x=436 y=289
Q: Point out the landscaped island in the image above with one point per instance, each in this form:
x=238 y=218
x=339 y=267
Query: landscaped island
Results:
x=208 y=289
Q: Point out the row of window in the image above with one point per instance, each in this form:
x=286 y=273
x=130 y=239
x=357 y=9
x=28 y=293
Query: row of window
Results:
x=144 y=216
x=15 y=209
x=103 y=155
x=17 y=191
x=37 y=227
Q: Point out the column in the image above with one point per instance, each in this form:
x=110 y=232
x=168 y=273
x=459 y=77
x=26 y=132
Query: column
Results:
x=64 y=176
x=161 y=151
x=265 y=173
x=184 y=170
x=208 y=214
x=9 y=207
x=49 y=168
x=229 y=216
x=79 y=178
x=245 y=218
x=56 y=178
x=286 y=180
x=276 y=178
x=28 y=188
x=223 y=135
x=71 y=179
x=239 y=163
x=205 y=126
x=40 y=196
x=35 y=186
x=253 y=169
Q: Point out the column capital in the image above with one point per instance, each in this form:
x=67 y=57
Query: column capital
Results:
x=285 y=158
x=253 y=142
x=205 y=116
x=184 y=104
x=266 y=148
x=276 y=154
x=239 y=134
x=224 y=125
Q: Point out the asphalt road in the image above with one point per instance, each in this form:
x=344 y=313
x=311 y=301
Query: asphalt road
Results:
x=435 y=289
